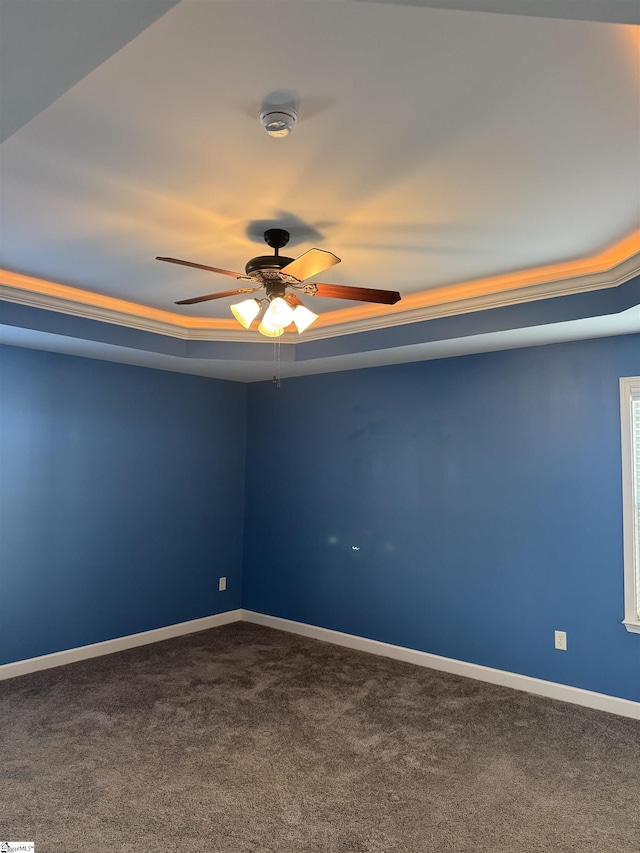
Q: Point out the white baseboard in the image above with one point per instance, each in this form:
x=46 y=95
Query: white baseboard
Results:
x=22 y=667
x=550 y=689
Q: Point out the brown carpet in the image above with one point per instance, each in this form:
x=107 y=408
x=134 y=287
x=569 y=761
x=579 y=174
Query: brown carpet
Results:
x=247 y=739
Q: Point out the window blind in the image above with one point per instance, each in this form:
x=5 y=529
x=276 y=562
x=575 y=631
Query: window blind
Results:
x=635 y=453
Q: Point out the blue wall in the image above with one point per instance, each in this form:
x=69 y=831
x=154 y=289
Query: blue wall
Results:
x=483 y=494
x=121 y=494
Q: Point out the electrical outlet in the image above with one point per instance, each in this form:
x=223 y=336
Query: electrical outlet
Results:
x=222 y=584
x=561 y=640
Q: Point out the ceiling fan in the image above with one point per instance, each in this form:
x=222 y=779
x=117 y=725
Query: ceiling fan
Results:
x=278 y=276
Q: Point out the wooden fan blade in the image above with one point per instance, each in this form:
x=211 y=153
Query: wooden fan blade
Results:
x=292 y=299
x=220 y=295
x=311 y=263
x=205 y=267
x=359 y=294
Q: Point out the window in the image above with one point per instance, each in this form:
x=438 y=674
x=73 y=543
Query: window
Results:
x=630 y=423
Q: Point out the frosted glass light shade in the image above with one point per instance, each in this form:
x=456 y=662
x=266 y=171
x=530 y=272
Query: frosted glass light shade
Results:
x=279 y=314
x=268 y=330
x=303 y=318
x=245 y=312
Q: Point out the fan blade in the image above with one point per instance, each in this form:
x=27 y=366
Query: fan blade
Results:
x=359 y=294
x=311 y=263
x=205 y=267
x=220 y=295
x=292 y=299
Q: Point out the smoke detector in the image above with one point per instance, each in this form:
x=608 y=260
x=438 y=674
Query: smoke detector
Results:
x=278 y=121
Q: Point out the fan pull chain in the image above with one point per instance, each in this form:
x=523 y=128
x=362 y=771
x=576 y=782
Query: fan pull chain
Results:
x=276 y=362
x=279 y=373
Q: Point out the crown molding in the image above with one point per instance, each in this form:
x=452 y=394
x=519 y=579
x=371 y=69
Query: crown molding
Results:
x=62 y=305
x=601 y=280
x=443 y=302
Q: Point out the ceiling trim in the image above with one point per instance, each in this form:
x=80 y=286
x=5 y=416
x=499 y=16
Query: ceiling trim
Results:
x=609 y=268
x=575 y=276
x=42 y=55
x=619 y=274
x=601 y=11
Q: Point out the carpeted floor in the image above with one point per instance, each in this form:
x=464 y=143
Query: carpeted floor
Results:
x=247 y=739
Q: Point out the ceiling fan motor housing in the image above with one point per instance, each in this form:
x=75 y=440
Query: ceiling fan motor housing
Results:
x=267 y=262
x=266 y=270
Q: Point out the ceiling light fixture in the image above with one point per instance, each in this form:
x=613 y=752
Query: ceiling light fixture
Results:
x=278 y=314
x=270 y=331
x=278 y=121
x=277 y=317
x=246 y=312
x=303 y=318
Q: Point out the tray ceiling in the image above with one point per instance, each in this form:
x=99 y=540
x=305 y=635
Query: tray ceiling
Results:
x=443 y=152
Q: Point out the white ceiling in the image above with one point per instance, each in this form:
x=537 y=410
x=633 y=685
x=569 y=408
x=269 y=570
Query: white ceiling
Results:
x=435 y=145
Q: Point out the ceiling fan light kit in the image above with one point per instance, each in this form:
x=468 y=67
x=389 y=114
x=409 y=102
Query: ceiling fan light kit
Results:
x=279 y=313
x=270 y=331
x=303 y=318
x=279 y=276
x=246 y=312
